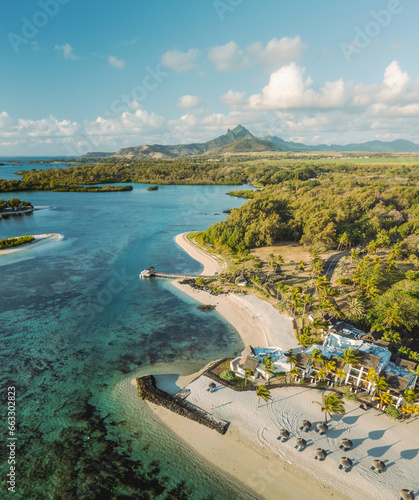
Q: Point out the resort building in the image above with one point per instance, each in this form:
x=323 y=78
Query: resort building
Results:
x=252 y=359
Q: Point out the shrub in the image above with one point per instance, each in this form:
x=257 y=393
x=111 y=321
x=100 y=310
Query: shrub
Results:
x=228 y=375
x=349 y=395
x=392 y=411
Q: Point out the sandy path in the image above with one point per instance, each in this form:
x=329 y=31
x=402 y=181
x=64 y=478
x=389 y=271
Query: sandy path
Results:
x=39 y=238
x=211 y=265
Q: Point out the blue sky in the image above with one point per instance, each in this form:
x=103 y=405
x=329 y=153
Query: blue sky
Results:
x=104 y=75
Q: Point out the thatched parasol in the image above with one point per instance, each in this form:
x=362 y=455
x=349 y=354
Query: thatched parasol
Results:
x=211 y=385
x=306 y=425
x=301 y=442
x=322 y=428
x=379 y=465
x=320 y=454
x=407 y=495
x=284 y=433
x=345 y=462
x=346 y=443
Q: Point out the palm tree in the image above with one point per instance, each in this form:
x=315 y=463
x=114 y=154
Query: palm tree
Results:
x=339 y=375
x=321 y=374
x=354 y=256
x=317 y=357
x=282 y=289
x=407 y=410
x=356 y=307
x=392 y=316
x=292 y=358
x=247 y=375
x=322 y=281
x=371 y=289
x=256 y=281
x=294 y=372
x=331 y=404
x=396 y=251
x=262 y=392
x=319 y=323
x=384 y=398
x=370 y=377
x=350 y=356
x=280 y=259
x=410 y=396
x=330 y=367
x=380 y=385
x=268 y=366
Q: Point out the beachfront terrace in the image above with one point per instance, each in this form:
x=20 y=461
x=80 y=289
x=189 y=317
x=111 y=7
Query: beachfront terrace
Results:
x=252 y=359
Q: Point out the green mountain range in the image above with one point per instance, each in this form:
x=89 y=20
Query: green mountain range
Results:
x=240 y=140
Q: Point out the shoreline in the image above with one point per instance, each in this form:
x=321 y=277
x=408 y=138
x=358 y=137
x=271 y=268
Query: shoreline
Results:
x=212 y=266
x=39 y=238
x=236 y=458
x=250 y=455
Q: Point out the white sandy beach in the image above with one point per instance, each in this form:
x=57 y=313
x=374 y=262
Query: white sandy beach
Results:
x=250 y=453
x=39 y=240
x=211 y=264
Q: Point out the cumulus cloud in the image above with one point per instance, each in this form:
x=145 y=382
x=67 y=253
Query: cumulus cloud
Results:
x=289 y=88
x=232 y=98
x=180 y=61
x=189 y=101
x=67 y=51
x=114 y=62
x=230 y=57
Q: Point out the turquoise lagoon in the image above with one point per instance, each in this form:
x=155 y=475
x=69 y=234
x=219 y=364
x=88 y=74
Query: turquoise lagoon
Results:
x=77 y=324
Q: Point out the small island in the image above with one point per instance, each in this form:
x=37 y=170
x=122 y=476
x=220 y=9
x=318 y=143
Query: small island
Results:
x=14 y=206
x=15 y=242
x=152 y=188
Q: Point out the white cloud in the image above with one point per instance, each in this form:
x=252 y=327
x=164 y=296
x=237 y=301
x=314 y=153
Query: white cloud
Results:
x=180 y=61
x=115 y=62
x=189 y=101
x=230 y=57
x=67 y=51
x=289 y=88
x=232 y=98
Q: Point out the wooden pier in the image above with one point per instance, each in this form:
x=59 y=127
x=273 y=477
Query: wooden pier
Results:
x=182 y=276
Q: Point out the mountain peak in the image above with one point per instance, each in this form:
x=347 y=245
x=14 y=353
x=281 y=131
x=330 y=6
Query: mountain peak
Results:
x=241 y=131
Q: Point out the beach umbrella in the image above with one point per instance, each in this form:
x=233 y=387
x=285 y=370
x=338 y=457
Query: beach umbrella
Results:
x=284 y=433
x=211 y=386
x=322 y=427
x=346 y=443
x=345 y=462
x=379 y=465
x=407 y=495
x=320 y=454
x=301 y=442
x=306 y=425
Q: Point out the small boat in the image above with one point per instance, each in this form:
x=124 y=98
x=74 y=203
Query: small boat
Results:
x=148 y=273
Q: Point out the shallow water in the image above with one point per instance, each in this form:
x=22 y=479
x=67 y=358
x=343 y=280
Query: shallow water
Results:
x=76 y=325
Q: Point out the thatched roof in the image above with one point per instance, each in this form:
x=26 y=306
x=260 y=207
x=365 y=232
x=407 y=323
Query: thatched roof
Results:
x=347 y=443
x=397 y=384
x=284 y=433
x=375 y=337
x=249 y=351
x=345 y=461
x=249 y=363
x=378 y=464
x=306 y=424
x=301 y=442
x=322 y=427
x=321 y=453
x=302 y=360
x=405 y=363
x=407 y=495
x=368 y=360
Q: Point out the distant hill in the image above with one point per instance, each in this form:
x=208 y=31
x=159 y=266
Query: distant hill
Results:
x=182 y=150
x=240 y=140
x=97 y=154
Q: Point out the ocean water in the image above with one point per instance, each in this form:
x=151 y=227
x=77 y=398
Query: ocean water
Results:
x=77 y=324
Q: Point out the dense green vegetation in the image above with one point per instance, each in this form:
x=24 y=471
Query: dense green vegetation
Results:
x=152 y=188
x=15 y=242
x=14 y=205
